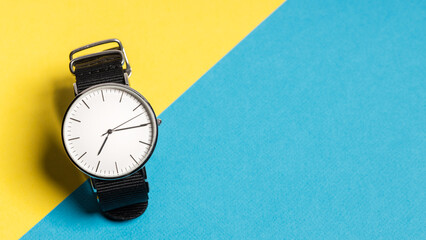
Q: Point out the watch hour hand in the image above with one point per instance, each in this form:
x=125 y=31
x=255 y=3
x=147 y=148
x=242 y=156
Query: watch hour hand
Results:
x=103 y=144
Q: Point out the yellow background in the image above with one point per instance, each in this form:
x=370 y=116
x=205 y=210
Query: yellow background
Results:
x=170 y=44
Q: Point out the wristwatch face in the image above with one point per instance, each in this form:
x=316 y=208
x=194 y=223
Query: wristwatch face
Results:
x=109 y=131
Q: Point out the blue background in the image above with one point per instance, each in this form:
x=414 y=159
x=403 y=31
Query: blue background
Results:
x=312 y=127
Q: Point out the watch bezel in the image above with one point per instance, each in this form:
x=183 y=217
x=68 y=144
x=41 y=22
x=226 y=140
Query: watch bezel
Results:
x=155 y=129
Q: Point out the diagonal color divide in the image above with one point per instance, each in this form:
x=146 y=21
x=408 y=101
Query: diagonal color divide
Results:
x=312 y=127
x=170 y=44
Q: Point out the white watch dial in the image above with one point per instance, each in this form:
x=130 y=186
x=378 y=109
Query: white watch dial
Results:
x=109 y=131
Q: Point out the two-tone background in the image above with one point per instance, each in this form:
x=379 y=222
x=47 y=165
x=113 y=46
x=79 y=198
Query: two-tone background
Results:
x=295 y=120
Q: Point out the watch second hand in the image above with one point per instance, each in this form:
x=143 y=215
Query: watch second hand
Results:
x=123 y=123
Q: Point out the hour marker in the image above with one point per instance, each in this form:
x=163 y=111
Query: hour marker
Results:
x=145 y=143
x=102 y=92
x=86 y=104
x=137 y=107
x=133 y=159
x=116 y=166
x=121 y=96
x=82 y=156
x=75 y=119
x=74 y=138
x=97 y=166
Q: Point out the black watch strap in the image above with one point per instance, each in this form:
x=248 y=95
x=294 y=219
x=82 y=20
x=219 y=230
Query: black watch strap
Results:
x=97 y=70
x=126 y=198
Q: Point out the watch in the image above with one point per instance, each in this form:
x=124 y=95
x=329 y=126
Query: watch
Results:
x=109 y=130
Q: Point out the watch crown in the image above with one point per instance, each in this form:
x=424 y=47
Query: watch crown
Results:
x=159 y=121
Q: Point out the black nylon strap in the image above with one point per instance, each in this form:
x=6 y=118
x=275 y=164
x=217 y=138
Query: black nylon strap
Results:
x=97 y=70
x=125 y=198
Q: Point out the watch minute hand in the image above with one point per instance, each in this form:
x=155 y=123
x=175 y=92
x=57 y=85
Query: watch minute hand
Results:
x=123 y=123
x=120 y=129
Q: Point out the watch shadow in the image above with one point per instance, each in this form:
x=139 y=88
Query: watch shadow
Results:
x=55 y=162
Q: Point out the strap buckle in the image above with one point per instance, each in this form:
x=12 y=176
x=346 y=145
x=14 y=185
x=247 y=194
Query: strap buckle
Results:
x=119 y=50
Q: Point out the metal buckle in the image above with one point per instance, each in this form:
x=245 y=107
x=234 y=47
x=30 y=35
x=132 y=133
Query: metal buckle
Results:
x=119 y=50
